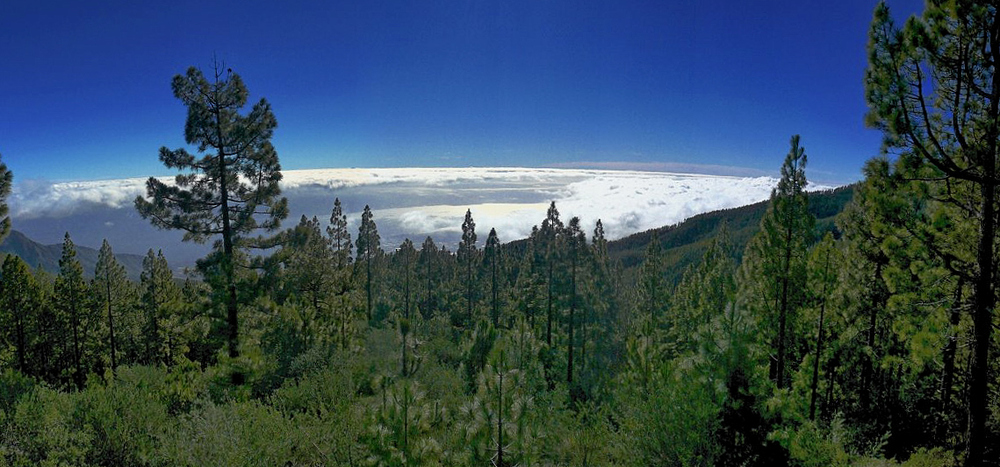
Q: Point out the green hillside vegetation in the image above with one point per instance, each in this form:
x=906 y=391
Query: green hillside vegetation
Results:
x=685 y=243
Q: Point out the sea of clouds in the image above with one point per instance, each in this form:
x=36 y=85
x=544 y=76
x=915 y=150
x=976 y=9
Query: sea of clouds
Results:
x=406 y=202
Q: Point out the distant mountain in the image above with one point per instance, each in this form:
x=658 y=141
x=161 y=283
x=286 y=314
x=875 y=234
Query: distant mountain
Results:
x=686 y=242
x=47 y=256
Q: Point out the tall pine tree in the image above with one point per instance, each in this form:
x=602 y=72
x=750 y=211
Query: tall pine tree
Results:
x=109 y=284
x=369 y=249
x=71 y=292
x=232 y=189
x=340 y=237
x=491 y=260
x=18 y=297
x=775 y=272
x=467 y=257
x=932 y=89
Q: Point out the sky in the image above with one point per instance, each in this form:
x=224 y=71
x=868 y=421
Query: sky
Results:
x=713 y=86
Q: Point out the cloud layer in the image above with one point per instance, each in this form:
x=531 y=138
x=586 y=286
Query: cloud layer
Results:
x=415 y=202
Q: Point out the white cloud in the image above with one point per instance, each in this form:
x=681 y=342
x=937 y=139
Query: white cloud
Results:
x=33 y=199
x=420 y=201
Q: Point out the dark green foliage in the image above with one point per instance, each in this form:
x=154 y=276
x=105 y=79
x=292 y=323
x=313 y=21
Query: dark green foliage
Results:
x=468 y=259
x=931 y=88
x=109 y=287
x=71 y=305
x=232 y=189
x=159 y=296
x=773 y=277
x=369 y=251
x=493 y=270
x=6 y=183
x=340 y=237
x=19 y=303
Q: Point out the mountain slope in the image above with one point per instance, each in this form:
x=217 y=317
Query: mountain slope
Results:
x=47 y=256
x=685 y=243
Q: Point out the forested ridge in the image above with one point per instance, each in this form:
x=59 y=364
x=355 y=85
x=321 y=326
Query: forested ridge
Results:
x=853 y=327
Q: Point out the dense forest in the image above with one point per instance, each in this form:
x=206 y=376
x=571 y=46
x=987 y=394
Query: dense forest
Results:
x=845 y=328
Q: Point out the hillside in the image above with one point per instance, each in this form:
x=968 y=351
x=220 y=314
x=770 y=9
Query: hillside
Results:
x=47 y=256
x=685 y=243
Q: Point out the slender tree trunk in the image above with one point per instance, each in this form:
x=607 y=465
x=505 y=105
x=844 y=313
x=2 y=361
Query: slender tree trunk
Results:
x=22 y=363
x=227 y=249
x=983 y=320
x=819 y=341
x=468 y=292
x=572 y=311
x=368 y=283
x=948 y=372
x=831 y=371
x=868 y=371
x=404 y=354
x=499 y=462
x=427 y=274
x=78 y=375
x=493 y=290
x=111 y=324
x=548 y=326
x=783 y=314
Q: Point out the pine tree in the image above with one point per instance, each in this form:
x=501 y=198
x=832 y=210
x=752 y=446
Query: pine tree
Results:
x=706 y=291
x=109 y=282
x=426 y=262
x=932 y=89
x=70 y=290
x=824 y=265
x=549 y=238
x=775 y=272
x=18 y=297
x=491 y=260
x=576 y=250
x=407 y=259
x=601 y=326
x=369 y=249
x=158 y=290
x=310 y=269
x=6 y=181
x=340 y=237
x=651 y=282
x=232 y=190
x=467 y=257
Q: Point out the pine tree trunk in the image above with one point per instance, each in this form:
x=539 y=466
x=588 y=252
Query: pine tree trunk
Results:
x=468 y=293
x=783 y=306
x=572 y=311
x=499 y=462
x=948 y=372
x=493 y=289
x=368 y=283
x=868 y=371
x=111 y=324
x=22 y=363
x=227 y=250
x=983 y=318
x=78 y=375
x=548 y=325
x=819 y=341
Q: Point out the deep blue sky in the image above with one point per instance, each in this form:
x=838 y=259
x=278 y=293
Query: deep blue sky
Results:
x=85 y=88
